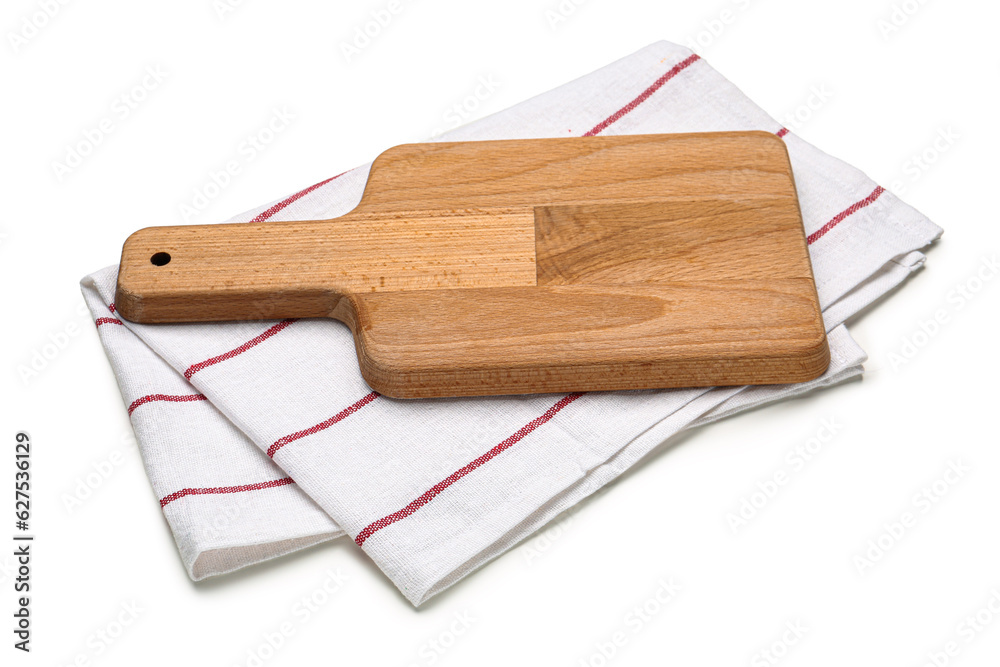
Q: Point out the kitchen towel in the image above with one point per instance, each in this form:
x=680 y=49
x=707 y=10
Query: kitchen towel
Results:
x=260 y=438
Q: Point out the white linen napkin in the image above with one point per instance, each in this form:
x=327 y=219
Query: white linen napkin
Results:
x=227 y=415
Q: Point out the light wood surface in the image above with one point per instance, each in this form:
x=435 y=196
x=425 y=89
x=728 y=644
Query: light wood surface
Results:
x=527 y=266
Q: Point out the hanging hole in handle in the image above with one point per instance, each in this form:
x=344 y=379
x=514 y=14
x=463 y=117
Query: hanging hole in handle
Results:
x=160 y=258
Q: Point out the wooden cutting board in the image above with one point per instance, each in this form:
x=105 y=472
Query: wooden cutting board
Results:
x=526 y=266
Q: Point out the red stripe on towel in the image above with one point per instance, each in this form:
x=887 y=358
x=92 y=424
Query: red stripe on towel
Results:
x=849 y=211
x=253 y=342
x=433 y=492
x=322 y=426
x=263 y=216
x=644 y=95
x=270 y=484
x=151 y=398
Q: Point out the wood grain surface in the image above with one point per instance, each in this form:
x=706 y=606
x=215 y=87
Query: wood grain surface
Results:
x=527 y=266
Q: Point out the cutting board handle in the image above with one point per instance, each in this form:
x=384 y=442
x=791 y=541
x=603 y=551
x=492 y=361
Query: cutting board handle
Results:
x=302 y=269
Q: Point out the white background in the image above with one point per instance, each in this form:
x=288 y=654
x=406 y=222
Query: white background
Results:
x=885 y=97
